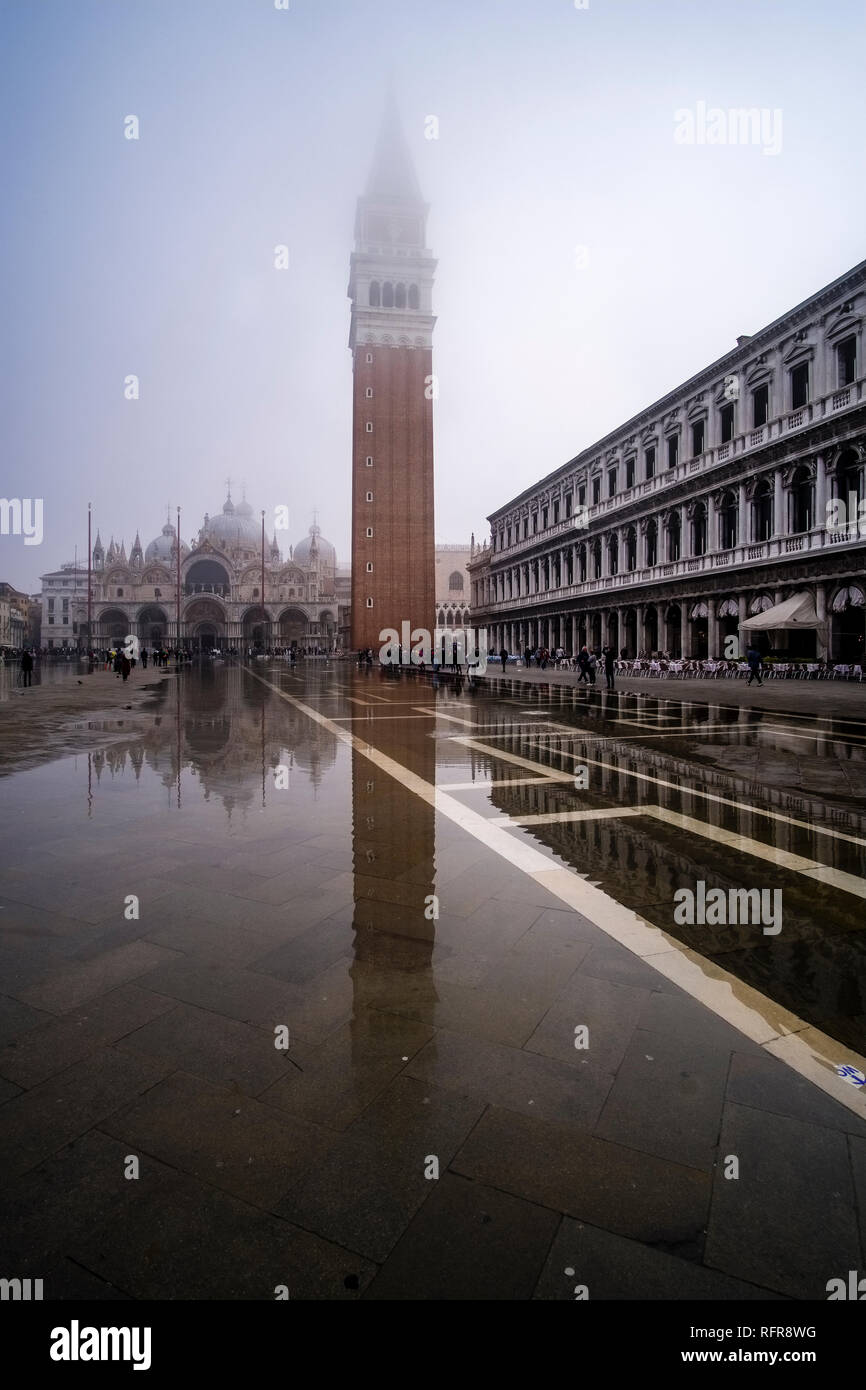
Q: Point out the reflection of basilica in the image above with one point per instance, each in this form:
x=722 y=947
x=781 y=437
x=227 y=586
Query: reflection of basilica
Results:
x=231 y=735
x=305 y=599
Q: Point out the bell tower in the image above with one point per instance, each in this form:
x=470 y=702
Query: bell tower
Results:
x=391 y=340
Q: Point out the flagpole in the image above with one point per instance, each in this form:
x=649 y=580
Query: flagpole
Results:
x=264 y=610
x=178 y=624
x=89 y=637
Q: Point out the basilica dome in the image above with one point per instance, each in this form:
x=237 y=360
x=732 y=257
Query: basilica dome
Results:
x=327 y=553
x=236 y=525
x=161 y=549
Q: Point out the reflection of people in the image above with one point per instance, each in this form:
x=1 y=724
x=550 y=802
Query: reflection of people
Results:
x=26 y=668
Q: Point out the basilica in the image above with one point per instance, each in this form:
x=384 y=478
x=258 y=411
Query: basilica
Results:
x=215 y=598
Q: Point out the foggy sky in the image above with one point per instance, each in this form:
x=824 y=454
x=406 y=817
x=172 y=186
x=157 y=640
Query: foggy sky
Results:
x=155 y=256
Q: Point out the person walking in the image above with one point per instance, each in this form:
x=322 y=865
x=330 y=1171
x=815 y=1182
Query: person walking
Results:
x=26 y=668
x=527 y=658
x=503 y=656
x=583 y=665
x=753 y=657
x=125 y=666
x=593 y=663
x=607 y=653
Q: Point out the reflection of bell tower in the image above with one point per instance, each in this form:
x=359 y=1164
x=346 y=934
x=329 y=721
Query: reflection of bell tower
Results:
x=393 y=849
x=391 y=339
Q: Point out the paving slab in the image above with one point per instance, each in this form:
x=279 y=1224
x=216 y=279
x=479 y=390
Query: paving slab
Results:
x=468 y=1242
x=788 y=1221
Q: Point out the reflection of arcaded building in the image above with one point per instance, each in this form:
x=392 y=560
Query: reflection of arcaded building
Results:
x=222 y=603
x=816 y=965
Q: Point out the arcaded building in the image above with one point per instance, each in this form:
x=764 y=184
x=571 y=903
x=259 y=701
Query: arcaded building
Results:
x=221 y=600
x=453 y=584
x=739 y=493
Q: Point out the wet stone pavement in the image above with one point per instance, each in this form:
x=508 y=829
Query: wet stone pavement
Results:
x=510 y=1070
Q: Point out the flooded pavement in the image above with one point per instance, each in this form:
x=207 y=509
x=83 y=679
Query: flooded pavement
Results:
x=43 y=673
x=69 y=710
x=521 y=1032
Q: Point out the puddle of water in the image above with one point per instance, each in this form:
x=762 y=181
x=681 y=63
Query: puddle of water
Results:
x=228 y=779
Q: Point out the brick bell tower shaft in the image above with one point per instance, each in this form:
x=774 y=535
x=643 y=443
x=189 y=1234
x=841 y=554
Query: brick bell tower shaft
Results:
x=391 y=340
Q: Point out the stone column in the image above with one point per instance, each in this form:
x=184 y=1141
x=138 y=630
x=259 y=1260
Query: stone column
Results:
x=685 y=538
x=712 y=523
x=686 y=606
x=779 y=518
x=712 y=629
x=639 y=633
x=823 y=638
x=574 y=648
x=742 y=515
x=743 y=637
x=820 y=518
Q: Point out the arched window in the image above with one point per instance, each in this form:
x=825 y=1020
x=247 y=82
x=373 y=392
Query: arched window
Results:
x=374 y=294
x=581 y=561
x=631 y=549
x=801 y=501
x=762 y=514
x=674 y=536
x=849 y=482
x=652 y=542
x=728 y=521
x=596 y=560
x=613 y=554
x=400 y=297
x=413 y=296
x=699 y=530
x=455 y=582
x=388 y=295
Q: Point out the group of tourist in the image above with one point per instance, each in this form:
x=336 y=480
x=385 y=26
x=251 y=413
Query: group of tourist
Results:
x=587 y=662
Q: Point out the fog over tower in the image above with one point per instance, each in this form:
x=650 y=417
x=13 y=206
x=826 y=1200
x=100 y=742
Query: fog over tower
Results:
x=391 y=340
